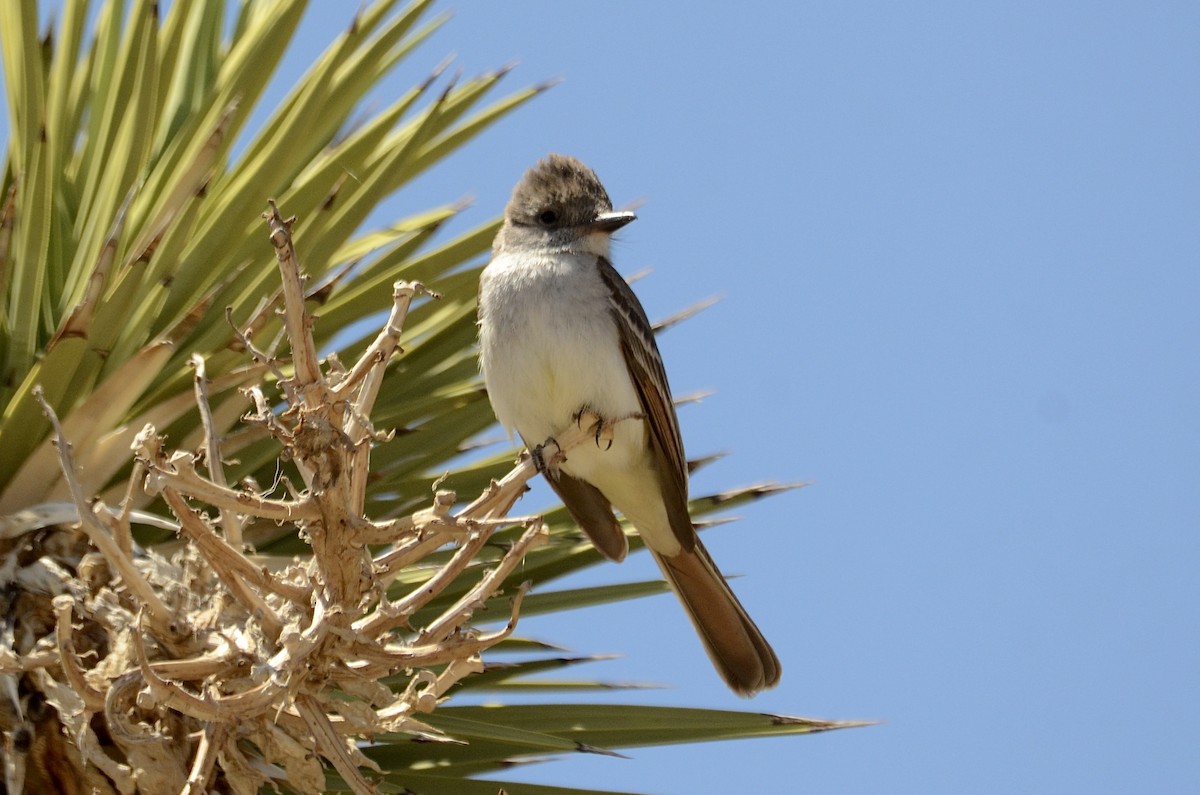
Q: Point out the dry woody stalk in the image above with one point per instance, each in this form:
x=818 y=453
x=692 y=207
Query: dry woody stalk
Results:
x=123 y=670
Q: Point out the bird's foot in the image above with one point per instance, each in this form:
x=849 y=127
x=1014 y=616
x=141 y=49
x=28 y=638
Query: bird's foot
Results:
x=600 y=427
x=596 y=425
x=547 y=458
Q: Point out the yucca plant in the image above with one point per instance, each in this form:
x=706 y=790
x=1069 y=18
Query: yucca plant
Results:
x=231 y=559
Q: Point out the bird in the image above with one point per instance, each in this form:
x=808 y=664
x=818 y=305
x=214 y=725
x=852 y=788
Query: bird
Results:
x=562 y=337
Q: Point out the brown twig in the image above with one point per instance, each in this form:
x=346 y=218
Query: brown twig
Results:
x=97 y=532
x=230 y=521
x=289 y=658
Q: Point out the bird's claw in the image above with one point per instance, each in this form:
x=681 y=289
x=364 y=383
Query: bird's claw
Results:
x=601 y=429
x=547 y=464
x=604 y=432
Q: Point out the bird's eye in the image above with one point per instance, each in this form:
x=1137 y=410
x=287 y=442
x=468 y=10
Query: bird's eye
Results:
x=548 y=218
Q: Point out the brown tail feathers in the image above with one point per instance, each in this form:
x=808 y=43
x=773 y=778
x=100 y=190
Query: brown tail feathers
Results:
x=738 y=649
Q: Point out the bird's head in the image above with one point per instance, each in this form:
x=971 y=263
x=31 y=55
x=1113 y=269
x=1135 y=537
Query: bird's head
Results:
x=560 y=204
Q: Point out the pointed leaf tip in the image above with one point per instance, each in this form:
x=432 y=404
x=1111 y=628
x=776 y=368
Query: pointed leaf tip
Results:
x=816 y=725
x=755 y=491
x=595 y=749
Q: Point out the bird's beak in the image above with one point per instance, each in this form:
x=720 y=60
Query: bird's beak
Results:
x=611 y=222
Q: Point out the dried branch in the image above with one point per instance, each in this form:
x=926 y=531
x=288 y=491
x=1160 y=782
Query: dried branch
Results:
x=230 y=522
x=196 y=659
x=224 y=559
x=93 y=699
x=179 y=472
x=310 y=383
x=99 y=534
x=207 y=752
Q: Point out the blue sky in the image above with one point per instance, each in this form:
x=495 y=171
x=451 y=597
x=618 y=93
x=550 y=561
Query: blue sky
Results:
x=959 y=253
x=959 y=250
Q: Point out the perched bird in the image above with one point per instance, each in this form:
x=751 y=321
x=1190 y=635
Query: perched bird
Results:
x=562 y=335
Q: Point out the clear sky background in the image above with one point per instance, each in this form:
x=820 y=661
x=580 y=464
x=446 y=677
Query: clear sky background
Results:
x=959 y=250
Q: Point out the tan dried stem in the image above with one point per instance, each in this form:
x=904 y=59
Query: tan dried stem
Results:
x=99 y=533
x=286 y=659
x=205 y=761
x=179 y=472
x=230 y=522
x=332 y=746
x=226 y=560
x=93 y=699
x=309 y=381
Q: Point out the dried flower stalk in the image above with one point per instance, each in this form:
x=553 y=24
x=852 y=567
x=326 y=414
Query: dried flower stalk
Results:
x=163 y=676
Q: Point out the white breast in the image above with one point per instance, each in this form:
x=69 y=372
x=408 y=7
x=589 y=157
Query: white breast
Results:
x=548 y=348
x=549 y=343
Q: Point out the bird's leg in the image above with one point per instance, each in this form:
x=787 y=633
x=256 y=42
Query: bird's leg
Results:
x=547 y=464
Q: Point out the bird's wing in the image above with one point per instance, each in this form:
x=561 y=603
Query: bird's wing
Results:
x=592 y=512
x=650 y=380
